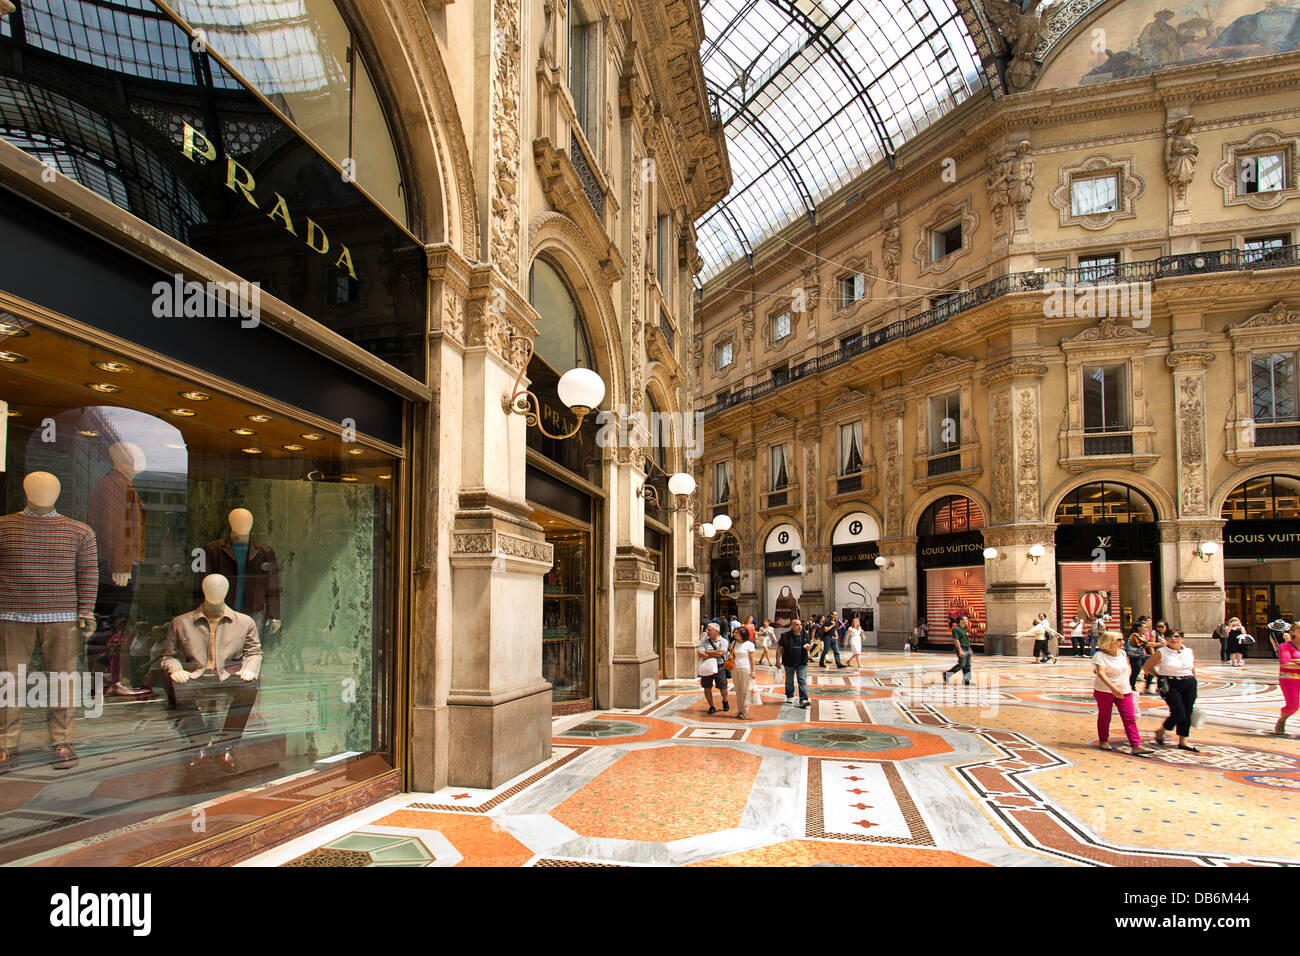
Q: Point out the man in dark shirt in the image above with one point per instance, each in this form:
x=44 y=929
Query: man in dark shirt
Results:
x=830 y=640
x=961 y=644
x=795 y=646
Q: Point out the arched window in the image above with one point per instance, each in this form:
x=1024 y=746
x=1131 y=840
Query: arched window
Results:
x=561 y=334
x=1264 y=498
x=660 y=434
x=950 y=515
x=1105 y=502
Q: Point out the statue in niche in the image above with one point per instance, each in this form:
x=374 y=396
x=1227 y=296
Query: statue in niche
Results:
x=1022 y=31
x=1180 y=156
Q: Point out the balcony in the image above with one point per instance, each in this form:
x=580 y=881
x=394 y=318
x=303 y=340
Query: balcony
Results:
x=1111 y=443
x=943 y=465
x=1272 y=435
x=1150 y=270
x=848 y=484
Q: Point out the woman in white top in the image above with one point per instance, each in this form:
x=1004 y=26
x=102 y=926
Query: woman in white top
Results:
x=1110 y=688
x=766 y=641
x=1175 y=665
x=854 y=634
x=742 y=649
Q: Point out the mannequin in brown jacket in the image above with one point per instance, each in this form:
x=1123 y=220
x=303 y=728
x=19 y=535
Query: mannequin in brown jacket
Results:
x=255 y=592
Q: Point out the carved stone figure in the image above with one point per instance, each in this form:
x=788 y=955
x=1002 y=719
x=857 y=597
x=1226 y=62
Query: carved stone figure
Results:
x=1180 y=157
x=1020 y=177
x=891 y=248
x=1022 y=32
x=996 y=183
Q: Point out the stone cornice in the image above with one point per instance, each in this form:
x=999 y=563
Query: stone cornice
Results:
x=1012 y=368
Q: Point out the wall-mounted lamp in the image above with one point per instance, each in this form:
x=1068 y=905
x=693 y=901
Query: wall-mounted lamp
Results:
x=993 y=554
x=798 y=568
x=580 y=389
x=707 y=530
x=1206 y=550
x=1036 y=552
x=883 y=562
x=722 y=522
x=735 y=572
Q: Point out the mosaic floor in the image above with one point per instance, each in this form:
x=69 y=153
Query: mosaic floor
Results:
x=886 y=768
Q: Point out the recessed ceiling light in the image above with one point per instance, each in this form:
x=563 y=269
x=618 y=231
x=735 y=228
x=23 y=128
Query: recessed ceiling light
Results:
x=312 y=436
x=347 y=478
x=243 y=431
x=9 y=328
x=356 y=451
x=115 y=367
x=102 y=387
x=89 y=433
x=14 y=414
x=292 y=447
x=13 y=357
x=196 y=396
x=182 y=412
x=251 y=451
x=260 y=419
x=385 y=477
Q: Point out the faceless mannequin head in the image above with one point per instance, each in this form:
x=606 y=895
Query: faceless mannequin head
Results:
x=215 y=589
x=127 y=457
x=241 y=522
x=41 y=489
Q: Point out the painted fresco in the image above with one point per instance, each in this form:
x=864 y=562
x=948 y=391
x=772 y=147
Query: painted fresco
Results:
x=1141 y=36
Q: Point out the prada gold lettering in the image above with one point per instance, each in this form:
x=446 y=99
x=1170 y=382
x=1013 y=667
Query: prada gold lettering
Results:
x=197 y=148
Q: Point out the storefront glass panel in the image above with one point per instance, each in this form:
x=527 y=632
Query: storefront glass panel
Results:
x=566 y=617
x=180 y=479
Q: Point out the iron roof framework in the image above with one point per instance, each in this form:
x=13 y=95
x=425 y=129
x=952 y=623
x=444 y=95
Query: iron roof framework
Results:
x=812 y=93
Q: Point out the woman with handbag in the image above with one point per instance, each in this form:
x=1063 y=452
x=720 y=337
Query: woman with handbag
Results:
x=1111 y=689
x=1136 y=648
x=1175 y=665
x=1236 y=645
x=766 y=641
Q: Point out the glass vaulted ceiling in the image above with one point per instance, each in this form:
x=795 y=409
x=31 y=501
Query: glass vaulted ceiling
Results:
x=813 y=92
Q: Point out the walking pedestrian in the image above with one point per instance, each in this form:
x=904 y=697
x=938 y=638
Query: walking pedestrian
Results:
x=854 y=635
x=1095 y=630
x=1238 y=639
x=960 y=643
x=813 y=632
x=1041 y=632
x=1288 y=671
x=1175 y=665
x=749 y=626
x=1111 y=689
x=766 y=639
x=794 y=655
x=1221 y=635
x=742 y=654
x=711 y=651
x=1136 y=651
x=830 y=641
x=1077 y=638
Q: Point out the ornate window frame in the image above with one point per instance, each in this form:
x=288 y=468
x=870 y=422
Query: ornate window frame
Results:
x=1275 y=330
x=941 y=214
x=1107 y=343
x=1264 y=140
x=769 y=320
x=869 y=273
x=941 y=375
x=1130 y=186
x=715 y=356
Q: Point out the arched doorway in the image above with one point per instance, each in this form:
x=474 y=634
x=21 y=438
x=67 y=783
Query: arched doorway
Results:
x=950 y=568
x=1107 y=555
x=782 y=551
x=855 y=576
x=563 y=487
x=1261 y=553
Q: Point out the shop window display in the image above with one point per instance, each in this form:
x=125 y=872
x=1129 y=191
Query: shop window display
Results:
x=213 y=575
x=566 y=617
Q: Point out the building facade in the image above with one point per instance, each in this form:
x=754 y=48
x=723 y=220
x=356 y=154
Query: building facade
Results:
x=296 y=264
x=1046 y=362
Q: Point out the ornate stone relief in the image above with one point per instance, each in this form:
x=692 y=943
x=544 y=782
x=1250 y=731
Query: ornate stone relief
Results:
x=1010 y=182
x=1279 y=314
x=1022 y=32
x=1026 y=455
x=1008 y=369
x=848 y=396
x=893 y=479
x=504 y=220
x=810 y=490
x=943 y=364
x=1002 y=460
x=1130 y=187
x=1191 y=445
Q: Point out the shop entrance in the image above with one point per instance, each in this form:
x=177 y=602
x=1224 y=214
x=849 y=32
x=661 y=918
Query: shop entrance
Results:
x=567 y=609
x=1261 y=555
x=1108 y=556
x=950 y=569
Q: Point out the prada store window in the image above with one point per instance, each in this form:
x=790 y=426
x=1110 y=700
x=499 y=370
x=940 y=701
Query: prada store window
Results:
x=195 y=603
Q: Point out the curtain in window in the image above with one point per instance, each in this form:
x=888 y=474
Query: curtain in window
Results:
x=780 y=468
x=851 y=448
x=722 y=481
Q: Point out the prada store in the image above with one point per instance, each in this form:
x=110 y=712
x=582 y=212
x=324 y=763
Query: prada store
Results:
x=181 y=453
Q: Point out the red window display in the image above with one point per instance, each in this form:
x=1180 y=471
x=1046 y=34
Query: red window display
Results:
x=951 y=592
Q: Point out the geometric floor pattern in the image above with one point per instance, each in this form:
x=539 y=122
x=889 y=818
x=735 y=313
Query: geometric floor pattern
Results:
x=888 y=767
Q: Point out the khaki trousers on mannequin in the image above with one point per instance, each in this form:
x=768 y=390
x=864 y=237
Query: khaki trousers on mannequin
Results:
x=59 y=651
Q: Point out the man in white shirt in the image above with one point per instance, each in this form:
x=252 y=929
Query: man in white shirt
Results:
x=711 y=653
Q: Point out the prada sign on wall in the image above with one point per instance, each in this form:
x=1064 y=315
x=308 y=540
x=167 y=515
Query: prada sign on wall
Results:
x=1262 y=539
x=855 y=557
x=950 y=550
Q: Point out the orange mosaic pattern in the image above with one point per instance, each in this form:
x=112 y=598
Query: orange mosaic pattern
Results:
x=480 y=840
x=658 y=730
x=918 y=744
x=663 y=794
x=813 y=852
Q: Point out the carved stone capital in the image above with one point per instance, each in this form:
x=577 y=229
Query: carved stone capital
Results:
x=1189 y=359
x=1012 y=368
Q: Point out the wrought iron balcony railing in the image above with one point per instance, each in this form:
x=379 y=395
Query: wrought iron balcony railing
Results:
x=1150 y=270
